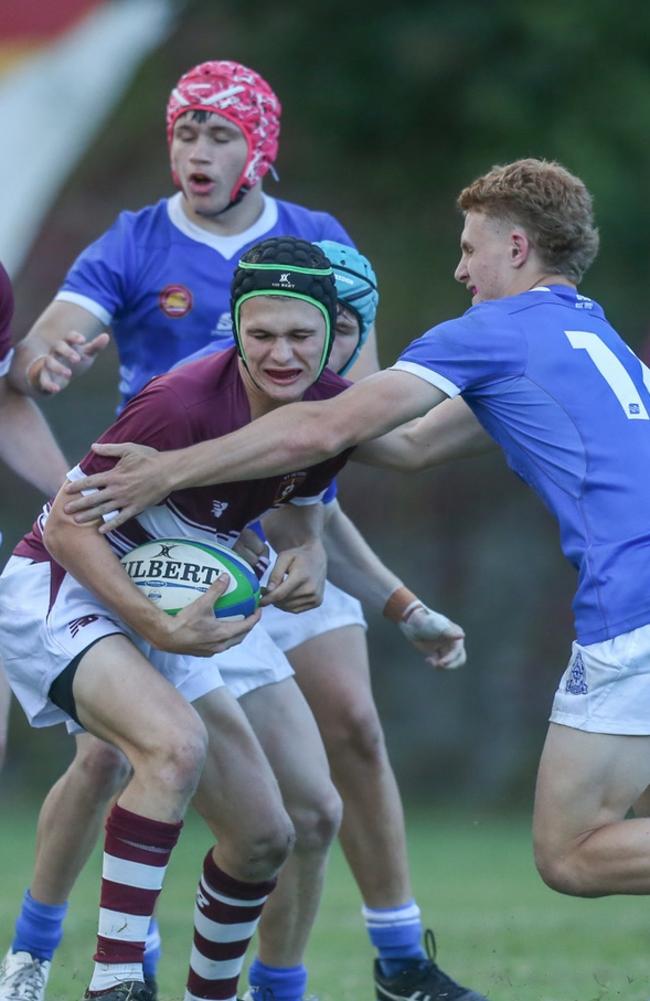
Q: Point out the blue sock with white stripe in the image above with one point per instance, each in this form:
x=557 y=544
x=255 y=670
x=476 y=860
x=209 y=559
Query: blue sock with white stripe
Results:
x=396 y=933
x=286 y=983
x=39 y=927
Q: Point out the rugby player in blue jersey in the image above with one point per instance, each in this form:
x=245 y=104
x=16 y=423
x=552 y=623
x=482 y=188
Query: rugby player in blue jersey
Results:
x=160 y=277
x=552 y=383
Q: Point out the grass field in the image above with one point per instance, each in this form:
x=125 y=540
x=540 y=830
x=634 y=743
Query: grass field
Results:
x=498 y=928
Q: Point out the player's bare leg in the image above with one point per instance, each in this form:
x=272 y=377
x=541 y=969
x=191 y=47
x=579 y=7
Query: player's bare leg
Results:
x=72 y=815
x=285 y=726
x=238 y=794
x=69 y=823
x=240 y=799
x=165 y=742
x=333 y=672
x=5 y=702
x=584 y=846
x=161 y=735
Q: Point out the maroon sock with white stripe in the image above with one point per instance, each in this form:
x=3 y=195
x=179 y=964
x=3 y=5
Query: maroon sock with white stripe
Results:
x=136 y=853
x=225 y=918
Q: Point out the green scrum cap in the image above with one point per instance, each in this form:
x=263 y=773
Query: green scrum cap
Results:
x=286 y=266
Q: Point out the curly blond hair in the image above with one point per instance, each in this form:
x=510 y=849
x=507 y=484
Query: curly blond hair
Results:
x=553 y=206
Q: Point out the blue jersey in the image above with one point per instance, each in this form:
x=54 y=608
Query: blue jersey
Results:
x=163 y=284
x=569 y=404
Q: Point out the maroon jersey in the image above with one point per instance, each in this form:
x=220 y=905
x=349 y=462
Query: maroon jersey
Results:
x=6 y=314
x=200 y=401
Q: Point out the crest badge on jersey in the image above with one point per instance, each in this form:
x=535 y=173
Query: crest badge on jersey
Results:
x=287 y=486
x=175 y=301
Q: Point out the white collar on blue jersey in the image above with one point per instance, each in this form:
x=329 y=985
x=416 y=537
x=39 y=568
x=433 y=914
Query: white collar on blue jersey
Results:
x=227 y=246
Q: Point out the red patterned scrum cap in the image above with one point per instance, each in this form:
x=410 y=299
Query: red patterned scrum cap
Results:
x=243 y=97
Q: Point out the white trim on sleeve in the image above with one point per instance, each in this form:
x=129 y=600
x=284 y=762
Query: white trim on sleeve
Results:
x=305 y=501
x=77 y=473
x=86 y=303
x=428 y=374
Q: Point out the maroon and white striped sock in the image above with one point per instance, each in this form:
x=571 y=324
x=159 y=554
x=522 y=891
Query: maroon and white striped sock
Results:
x=136 y=853
x=225 y=918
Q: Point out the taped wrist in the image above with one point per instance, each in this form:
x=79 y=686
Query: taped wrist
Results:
x=401 y=604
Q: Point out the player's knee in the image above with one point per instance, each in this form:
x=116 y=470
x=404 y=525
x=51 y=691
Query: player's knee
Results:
x=317 y=820
x=564 y=871
x=265 y=850
x=356 y=734
x=177 y=761
x=102 y=767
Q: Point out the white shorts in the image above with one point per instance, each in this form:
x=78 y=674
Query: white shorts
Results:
x=606 y=686
x=337 y=610
x=38 y=640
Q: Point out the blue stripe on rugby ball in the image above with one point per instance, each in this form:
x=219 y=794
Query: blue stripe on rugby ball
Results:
x=173 y=572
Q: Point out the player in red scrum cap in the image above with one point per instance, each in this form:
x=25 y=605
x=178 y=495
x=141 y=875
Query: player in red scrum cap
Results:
x=245 y=99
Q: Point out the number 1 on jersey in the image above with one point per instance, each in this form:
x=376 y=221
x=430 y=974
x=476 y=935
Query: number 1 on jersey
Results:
x=613 y=372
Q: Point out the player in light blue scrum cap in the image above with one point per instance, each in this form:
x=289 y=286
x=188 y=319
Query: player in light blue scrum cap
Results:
x=358 y=299
x=548 y=379
x=356 y=289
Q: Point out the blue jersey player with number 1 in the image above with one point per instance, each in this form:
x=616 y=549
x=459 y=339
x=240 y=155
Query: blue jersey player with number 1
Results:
x=553 y=384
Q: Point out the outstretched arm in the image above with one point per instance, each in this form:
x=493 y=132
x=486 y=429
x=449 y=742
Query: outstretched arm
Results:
x=289 y=438
x=27 y=444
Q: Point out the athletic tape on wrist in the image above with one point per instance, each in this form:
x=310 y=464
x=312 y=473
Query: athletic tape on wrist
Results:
x=401 y=605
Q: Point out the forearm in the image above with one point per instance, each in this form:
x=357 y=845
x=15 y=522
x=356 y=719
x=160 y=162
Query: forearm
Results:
x=450 y=431
x=88 y=557
x=293 y=525
x=28 y=354
x=27 y=444
x=289 y=438
x=353 y=565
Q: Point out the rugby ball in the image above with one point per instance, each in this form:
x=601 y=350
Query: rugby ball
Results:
x=173 y=572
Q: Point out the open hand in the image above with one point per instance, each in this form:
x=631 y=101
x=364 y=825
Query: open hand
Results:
x=136 y=482
x=71 y=355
